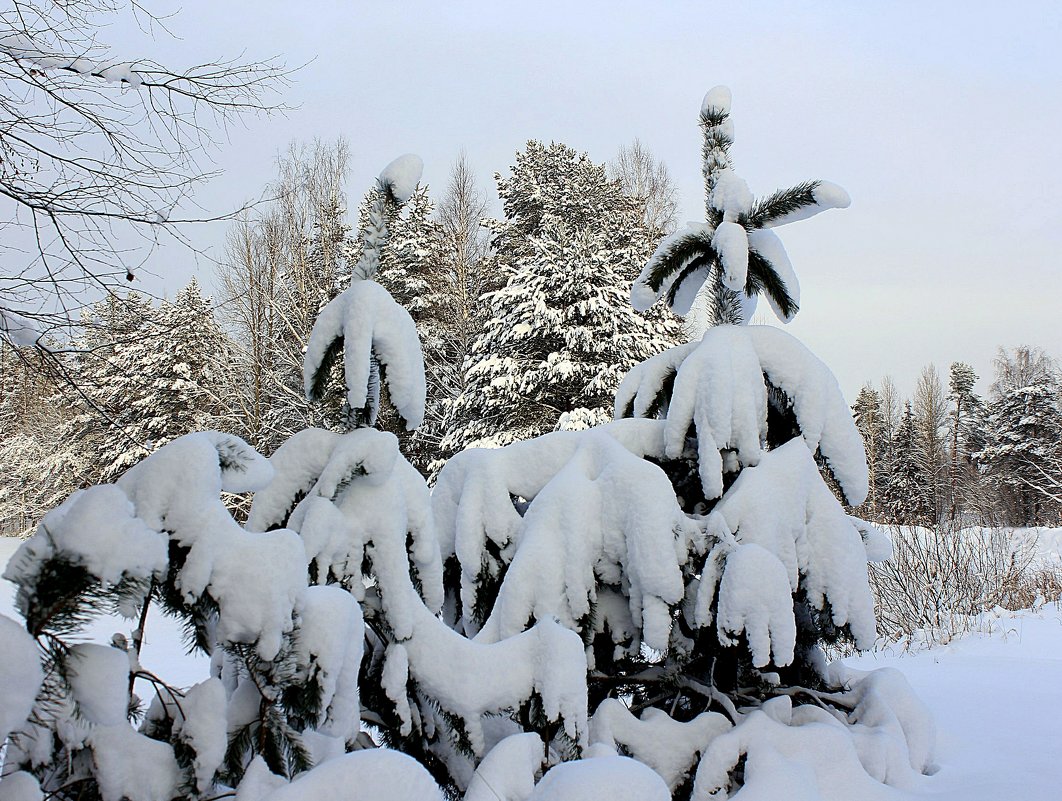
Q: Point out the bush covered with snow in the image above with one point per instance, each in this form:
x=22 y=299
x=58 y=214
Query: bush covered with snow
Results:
x=633 y=610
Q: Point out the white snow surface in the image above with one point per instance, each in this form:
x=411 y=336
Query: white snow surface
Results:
x=614 y=778
x=720 y=388
x=200 y=722
x=99 y=679
x=372 y=326
x=131 y=766
x=656 y=739
x=329 y=646
x=755 y=598
x=20 y=786
x=375 y=774
x=732 y=244
x=508 y=771
x=597 y=511
x=20 y=673
x=802 y=534
x=98 y=529
x=401 y=176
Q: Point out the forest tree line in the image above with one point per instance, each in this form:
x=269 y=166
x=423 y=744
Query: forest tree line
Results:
x=525 y=326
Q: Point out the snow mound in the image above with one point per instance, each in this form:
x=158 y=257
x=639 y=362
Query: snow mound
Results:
x=615 y=778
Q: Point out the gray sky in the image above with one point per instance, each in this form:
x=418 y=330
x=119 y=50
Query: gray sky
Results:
x=940 y=119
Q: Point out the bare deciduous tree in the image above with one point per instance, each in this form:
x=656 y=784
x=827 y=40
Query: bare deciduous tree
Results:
x=642 y=176
x=98 y=154
x=284 y=262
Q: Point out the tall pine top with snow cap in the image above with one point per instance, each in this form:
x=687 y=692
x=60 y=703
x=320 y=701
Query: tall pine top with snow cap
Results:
x=734 y=251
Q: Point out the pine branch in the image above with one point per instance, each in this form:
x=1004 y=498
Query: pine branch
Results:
x=779 y=204
x=679 y=250
x=762 y=277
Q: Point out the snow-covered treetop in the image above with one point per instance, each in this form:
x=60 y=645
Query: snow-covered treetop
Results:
x=396 y=184
x=399 y=179
x=733 y=247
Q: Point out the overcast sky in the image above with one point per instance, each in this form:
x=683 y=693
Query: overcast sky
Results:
x=942 y=121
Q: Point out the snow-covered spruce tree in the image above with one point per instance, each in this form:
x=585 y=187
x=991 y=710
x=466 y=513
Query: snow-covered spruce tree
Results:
x=696 y=548
x=1024 y=432
x=560 y=334
x=146 y=375
x=906 y=500
x=869 y=417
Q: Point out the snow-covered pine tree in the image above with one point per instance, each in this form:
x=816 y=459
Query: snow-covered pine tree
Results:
x=869 y=416
x=560 y=334
x=966 y=426
x=906 y=500
x=697 y=551
x=1024 y=429
x=411 y=271
x=147 y=375
x=734 y=251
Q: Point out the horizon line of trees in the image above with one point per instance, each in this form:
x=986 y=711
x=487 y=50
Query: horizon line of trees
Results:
x=524 y=329
x=948 y=455
x=138 y=374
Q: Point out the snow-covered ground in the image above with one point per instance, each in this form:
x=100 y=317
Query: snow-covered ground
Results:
x=996 y=696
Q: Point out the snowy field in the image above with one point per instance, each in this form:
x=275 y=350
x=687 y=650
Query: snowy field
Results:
x=996 y=696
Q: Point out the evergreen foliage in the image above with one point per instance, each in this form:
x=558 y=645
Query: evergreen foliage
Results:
x=560 y=334
x=1024 y=432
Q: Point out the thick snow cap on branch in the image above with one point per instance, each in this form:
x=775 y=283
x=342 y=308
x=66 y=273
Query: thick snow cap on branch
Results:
x=788 y=531
x=827 y=196
x=668 y=746
x=371 y=327
x=615 y=778
x=716 y=101
x=20 y=675
x=254 y=578
x=359 y=498
x=767 y=244
x=374 y=774
x=596 y=510
x=720 y=387
x=400 y=178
